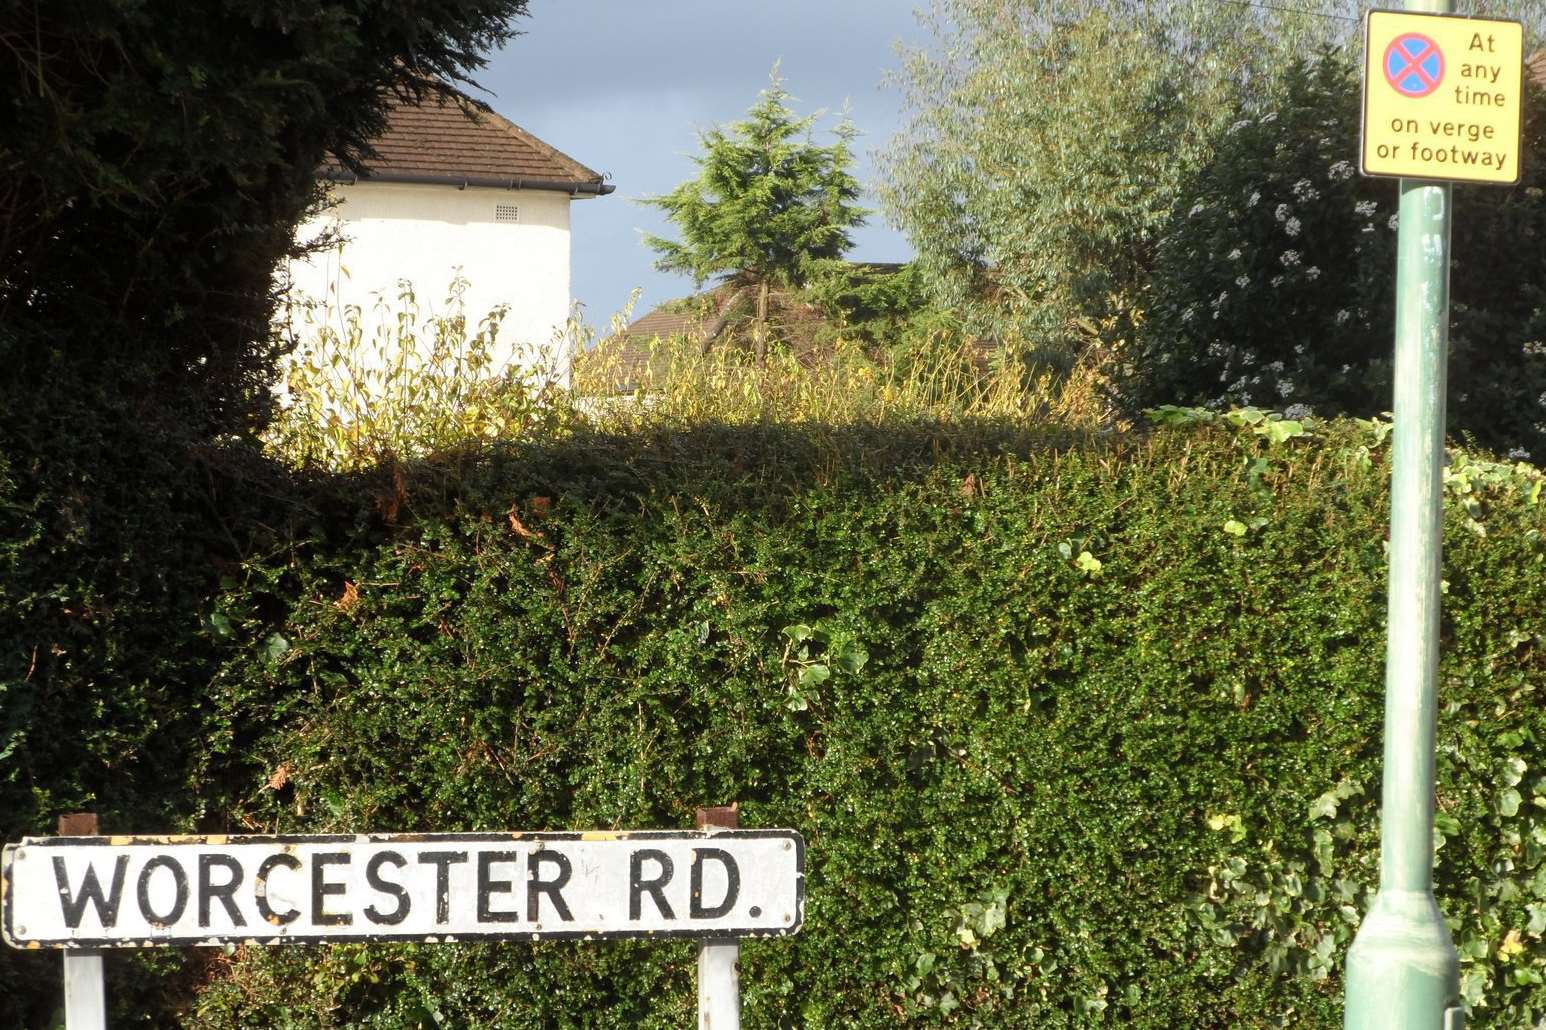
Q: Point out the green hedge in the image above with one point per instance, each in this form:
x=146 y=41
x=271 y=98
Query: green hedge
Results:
x=1102 y=748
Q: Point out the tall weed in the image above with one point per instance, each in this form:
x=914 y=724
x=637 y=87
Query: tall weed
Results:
x=403 y=383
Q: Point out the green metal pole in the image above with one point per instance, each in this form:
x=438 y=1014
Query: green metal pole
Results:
x=1402 y=970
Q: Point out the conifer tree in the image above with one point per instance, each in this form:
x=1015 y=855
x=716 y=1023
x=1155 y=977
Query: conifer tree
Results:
x=768 y=205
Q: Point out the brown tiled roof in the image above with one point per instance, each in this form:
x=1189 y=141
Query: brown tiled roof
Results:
x=618 y=363
x=672 y=320
x=440 y=142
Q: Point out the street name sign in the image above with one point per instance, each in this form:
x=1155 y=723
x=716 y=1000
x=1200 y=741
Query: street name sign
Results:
x=134 y=892
x=1442 y=97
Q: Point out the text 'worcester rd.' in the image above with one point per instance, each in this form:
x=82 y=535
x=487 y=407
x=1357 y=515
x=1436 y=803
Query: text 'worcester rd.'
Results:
x=148 y=891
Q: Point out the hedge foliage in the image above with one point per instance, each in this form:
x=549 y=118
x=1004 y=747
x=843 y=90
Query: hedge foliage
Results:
x=1102 y=748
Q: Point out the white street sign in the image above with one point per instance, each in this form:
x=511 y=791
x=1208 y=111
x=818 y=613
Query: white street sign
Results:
x=131 y=892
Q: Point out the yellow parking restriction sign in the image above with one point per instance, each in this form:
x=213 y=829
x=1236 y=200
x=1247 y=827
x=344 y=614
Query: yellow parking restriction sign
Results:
x=1442 y=97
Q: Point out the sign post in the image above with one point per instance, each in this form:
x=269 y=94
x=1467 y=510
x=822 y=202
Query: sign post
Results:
x=82 y=893
x=1441 y=102
x=719 y=959
x=85 y=992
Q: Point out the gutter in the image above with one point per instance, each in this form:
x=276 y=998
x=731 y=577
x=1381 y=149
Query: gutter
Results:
x=569 y=186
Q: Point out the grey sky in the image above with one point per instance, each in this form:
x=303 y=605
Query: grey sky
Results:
x=624 y=86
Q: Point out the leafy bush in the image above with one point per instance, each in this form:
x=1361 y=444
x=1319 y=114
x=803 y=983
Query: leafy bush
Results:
x=1097 y=742
x=1276 y=282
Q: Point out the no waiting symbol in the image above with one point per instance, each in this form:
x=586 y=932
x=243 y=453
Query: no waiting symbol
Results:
x=1414 y=64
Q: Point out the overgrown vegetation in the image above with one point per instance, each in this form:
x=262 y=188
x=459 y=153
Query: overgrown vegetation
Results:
x=1094 y=739
x=940 y=376
x=1110 y=757
x=398 y=382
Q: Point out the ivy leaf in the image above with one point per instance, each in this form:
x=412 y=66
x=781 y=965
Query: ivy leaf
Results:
x=995 y=914
x=814 y=674
x=1234 y=528
x=1089 y=563
x=1281 y=430
x=1473 y=986
x=1509 y=802
x=1325 y=806
x=852 y=659
x=274 y=647
x=798 y=633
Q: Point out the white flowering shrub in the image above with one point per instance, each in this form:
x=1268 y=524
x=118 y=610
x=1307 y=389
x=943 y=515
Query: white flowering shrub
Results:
x=1274 y=283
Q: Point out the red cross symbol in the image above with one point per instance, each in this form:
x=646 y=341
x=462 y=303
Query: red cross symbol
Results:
x=1414 y=64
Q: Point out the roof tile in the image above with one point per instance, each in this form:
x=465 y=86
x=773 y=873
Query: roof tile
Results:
x=466 y=144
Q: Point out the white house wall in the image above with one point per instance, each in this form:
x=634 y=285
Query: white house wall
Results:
x=426 y=234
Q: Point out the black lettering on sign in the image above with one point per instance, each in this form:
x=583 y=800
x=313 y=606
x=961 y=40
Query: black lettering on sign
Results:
x=179 y=887
x=373 y=877
x=321 y=889
x=442 y=861
x=488 y=886
x=536 y=885
x=210 y=891
x=638 y=886
x=260 y=888
x=91 y=891
x=697 y=909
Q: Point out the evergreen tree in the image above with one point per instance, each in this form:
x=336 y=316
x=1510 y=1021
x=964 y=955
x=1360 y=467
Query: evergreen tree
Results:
x=155 y=157
x=769 y=203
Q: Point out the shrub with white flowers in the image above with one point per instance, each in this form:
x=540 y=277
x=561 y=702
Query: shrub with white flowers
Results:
x=1292 y=254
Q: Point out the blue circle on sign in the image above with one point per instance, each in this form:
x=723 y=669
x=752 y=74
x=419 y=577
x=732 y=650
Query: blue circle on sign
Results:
x=1414 y=64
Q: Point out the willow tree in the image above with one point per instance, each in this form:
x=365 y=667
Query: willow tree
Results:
x=769 y=204
x=1048 y=141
